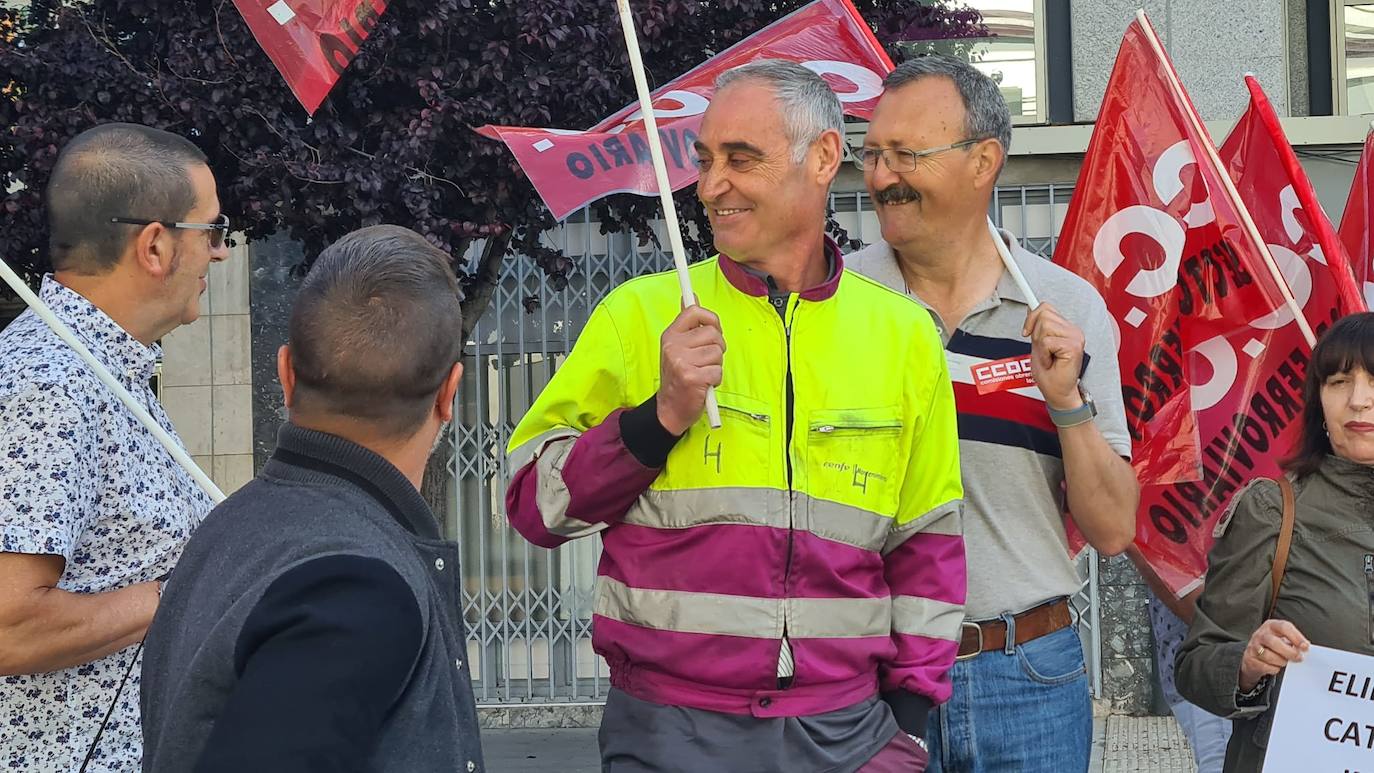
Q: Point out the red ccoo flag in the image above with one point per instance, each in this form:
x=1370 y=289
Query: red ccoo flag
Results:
x=311 y=41
x=1252 y=397
x=1276 y=190
x=1156 y=225
x=1357 y=225
x=570 y=169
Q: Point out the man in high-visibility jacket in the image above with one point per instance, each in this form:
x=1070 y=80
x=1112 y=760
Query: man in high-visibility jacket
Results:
x=784 y=592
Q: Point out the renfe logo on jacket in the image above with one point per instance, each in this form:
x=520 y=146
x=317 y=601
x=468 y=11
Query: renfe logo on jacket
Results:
x=1001 y=375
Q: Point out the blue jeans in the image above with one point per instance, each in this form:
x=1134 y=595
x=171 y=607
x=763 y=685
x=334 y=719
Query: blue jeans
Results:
x=1207 y=733
x=1023 y=710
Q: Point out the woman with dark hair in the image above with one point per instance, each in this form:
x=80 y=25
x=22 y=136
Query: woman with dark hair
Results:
x=1244 y=633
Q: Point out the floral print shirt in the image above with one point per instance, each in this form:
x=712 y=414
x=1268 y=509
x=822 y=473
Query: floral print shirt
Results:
x=1169 y=632
x=82 y=479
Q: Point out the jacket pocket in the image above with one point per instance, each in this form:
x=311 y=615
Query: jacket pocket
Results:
x=738 y=453
x=853 y=458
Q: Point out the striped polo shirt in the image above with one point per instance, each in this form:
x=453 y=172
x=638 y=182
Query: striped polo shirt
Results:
x=1010 y=458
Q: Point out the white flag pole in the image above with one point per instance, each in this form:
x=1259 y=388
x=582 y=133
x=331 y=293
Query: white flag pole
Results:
x=1012 y=268
x=168 y=442
x=1230 y=187
x=665 y=189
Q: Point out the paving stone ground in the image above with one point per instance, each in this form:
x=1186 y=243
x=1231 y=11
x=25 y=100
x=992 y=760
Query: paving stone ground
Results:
x=1145 y=744
x=1120 y=745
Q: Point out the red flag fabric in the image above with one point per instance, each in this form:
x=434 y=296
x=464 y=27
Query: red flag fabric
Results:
x=1357 y=225
x=1154 y=228
x=311 y=41
x=1247 y=395
x=570 y=169
x=1275 y=188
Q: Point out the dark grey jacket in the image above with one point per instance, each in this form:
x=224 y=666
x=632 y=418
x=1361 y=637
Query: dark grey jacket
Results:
x=1325 y=592
x=320 y=501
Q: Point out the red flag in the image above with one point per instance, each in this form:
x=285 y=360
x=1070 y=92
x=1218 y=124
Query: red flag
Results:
x=1276 y=190
x=1357 y=225
x=1248 y=418
x=1154 y=227
x=570 y=168
x=311 y=41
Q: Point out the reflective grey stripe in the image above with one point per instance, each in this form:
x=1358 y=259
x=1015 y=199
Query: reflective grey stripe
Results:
x=711 y=613
x=947 y=520
x=926 y=617
x=838 y=618
x=714 y=613
x=521 y=456
x=844 y=523
x=551 y=493
x=685 y=508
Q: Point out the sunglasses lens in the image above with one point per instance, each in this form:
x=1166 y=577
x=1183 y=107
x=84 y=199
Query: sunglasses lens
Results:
x=218 y=235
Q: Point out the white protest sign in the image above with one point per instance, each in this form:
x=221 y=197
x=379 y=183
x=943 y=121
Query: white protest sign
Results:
x=1324 y=721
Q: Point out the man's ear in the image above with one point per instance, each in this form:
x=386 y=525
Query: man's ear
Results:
x=988 y=158
x=287 y=374
x=448 y=392
x=829 y=154
x=154 y=249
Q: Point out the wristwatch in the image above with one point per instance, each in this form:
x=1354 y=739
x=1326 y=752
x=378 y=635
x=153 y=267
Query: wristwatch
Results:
x=1080 y=415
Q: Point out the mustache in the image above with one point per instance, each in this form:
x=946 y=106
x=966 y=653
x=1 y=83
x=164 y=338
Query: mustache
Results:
x=896 y=193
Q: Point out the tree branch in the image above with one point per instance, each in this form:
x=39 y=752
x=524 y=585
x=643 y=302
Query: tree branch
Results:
x=219 y=31
x=488 y=275
x=416 y=172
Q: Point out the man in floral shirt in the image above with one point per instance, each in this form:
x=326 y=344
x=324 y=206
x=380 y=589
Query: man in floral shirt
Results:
x=93 y=511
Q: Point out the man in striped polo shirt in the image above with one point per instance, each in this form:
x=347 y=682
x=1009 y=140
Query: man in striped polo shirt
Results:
x=781 y=593
x=1042 y=429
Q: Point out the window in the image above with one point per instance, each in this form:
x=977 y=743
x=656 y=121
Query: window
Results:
x=1353 y=55
x=1011 y=50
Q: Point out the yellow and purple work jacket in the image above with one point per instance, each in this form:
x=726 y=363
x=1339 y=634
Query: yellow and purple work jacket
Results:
x=824 y=513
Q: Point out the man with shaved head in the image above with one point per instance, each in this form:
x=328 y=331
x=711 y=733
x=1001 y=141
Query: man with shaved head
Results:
x=93 y=511
x=315 y=620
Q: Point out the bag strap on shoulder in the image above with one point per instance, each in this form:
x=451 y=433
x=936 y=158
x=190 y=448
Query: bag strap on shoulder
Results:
x=1285 y=542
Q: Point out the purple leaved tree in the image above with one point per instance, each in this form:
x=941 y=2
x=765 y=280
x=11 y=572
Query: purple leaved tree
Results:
x=393 y=141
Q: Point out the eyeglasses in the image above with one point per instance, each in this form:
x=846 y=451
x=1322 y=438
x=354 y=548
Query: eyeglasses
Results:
x=901 y=160
x=218 y=229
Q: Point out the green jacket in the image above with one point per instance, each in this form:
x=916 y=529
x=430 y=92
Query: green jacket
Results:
x=1325 y=592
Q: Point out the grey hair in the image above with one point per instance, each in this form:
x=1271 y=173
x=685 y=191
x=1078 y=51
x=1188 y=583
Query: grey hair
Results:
x=985 y=111
x=808 y=104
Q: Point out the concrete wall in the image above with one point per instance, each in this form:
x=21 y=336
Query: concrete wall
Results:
x=207 y=383
x=1298 y=88
x=1213 y=44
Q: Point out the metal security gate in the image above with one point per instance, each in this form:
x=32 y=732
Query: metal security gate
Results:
x=528 y=610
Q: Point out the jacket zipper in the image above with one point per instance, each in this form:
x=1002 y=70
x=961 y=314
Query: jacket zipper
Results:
x=863 y=427
x=1369 y=586
x=782 y=305
x=789 y=397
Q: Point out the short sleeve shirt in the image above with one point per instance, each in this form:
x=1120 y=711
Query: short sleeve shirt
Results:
x=1010 y=459
x=82 y=479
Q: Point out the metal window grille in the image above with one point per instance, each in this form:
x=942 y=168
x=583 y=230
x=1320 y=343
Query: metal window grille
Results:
x=528 y=610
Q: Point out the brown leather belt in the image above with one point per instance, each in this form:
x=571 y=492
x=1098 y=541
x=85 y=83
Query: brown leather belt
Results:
x=991 y=635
